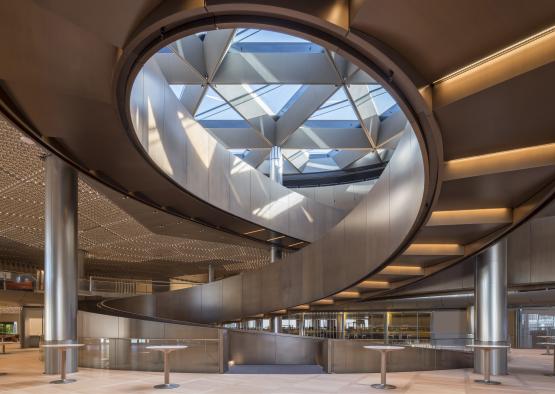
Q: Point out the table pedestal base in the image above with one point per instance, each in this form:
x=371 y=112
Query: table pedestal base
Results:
x=63 y=381
x=166 y=386
x=384 y=386
x=484 y=381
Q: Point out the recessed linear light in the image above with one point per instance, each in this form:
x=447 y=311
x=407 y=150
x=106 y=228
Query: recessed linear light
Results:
x=402 y=270
x=347 y=294
x=497 y=54
x=254 y=231
x=273 y=239
x=434 y=250
x=302 y=306
x=323 y=301
x=471 y=216
x=295 y=244
x=502 y=161
x=374 y=284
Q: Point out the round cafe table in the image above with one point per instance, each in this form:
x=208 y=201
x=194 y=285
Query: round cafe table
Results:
x=547 y=344
x=62 y=348
x=546 y=337
x=487 y=361
x=384 y=349
x=166 y=349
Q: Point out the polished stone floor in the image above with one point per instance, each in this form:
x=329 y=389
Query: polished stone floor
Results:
x=23 y=369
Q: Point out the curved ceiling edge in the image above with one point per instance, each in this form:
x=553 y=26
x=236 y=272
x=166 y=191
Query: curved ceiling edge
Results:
x=164 y=28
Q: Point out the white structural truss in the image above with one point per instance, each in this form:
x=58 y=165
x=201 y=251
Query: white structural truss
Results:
x=253 y=89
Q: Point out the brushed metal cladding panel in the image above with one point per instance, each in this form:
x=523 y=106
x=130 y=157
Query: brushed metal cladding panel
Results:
x=189 y=303
x=291 y=350
x=252 y=293
x=198 y=161
x=519 y=255
x=218 y=178
x=183 y=331
x=300 y=219
x=355 y=240
x=134 y=328
x=96 y=325
x=313 y=278
x=173 y=144
x=271 y=284
x=260 y=198
x=277 y=214
x=138 y=109
x=335 y=261
x=166 y=306
x=212 y=301
x=314 y=221
x=406 y=183
x=252 y=348
x=377 y=232
x=542 y=237
x=291 y=280
x=232 y=299
x=239 y=187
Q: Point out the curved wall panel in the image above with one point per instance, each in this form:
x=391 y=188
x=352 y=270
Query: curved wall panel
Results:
x=193 y=159
x=372 y=233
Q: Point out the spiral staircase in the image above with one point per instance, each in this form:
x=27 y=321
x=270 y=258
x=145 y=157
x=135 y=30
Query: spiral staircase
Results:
x=479 y=161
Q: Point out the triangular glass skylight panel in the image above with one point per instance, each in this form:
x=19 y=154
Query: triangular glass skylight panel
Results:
x=214 y=108
x=273 y=98
x=336 y=108
x=177 y=89
x=382 y=100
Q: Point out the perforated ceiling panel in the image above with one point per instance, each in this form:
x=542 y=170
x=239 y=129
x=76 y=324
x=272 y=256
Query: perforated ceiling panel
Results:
x=115 y=243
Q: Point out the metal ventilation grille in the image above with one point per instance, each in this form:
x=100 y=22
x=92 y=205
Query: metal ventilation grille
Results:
x=115 y=242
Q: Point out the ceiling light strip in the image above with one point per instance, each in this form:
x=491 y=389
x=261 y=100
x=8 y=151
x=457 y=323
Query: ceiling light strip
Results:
x=497 y=54
x=275 y=238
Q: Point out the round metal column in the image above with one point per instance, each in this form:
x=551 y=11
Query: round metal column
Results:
x=276 y=165
x=60 y=263
x=276 y=175
x=490 y=286
x=210 y=273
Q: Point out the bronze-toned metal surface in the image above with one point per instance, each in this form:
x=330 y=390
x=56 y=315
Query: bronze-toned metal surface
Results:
x=254 y=292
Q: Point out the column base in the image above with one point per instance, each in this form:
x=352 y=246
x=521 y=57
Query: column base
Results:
x=166 y=386
x=384 y=386
x=483 y=381
x=63 y=381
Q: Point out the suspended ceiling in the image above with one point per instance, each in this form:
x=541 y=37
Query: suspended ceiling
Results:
x=115 y=243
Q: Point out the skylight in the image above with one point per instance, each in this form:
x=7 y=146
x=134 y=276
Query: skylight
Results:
x=273 y=97
x=337 y=107
x=214 y=107
x=268 y=88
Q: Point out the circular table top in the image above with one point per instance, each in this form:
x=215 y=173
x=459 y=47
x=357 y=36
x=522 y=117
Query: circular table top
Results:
x=167 y=347
x=384 y=348
x=62 y=345
x=485 y=346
